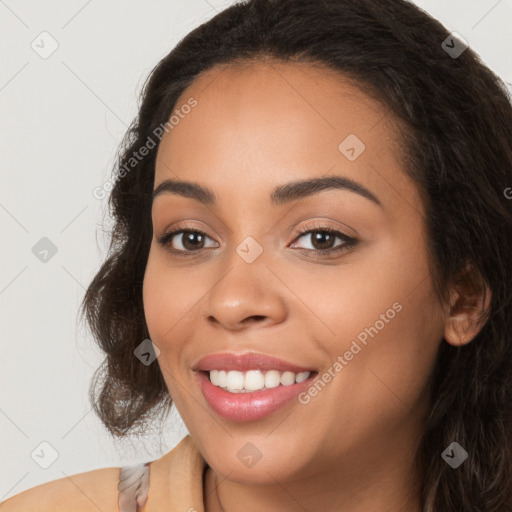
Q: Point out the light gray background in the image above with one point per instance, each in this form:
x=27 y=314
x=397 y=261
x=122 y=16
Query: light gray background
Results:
x=61 y=121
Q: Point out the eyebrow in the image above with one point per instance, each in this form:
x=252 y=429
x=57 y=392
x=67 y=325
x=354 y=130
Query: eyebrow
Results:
x=280 y=195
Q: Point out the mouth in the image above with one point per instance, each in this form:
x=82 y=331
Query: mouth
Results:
x=250 y=386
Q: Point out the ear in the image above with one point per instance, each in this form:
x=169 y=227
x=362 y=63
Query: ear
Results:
x=469 y=306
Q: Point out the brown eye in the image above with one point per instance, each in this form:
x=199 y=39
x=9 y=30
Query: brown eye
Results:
x=323 y=240
x=184 y=241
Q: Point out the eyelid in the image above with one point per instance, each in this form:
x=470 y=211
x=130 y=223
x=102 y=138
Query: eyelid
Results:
x=348 y=241
x=169 y=234
x=321 y=223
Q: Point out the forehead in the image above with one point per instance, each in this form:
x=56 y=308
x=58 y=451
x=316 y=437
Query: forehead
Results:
x=260 y=124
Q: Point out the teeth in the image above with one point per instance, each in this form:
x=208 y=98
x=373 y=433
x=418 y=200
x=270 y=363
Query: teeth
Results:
x=254 y=380
x=287 y=378
x=214 y=377
x=300 y=377
x=235 y=380
x=272 y=379
x=222 y=378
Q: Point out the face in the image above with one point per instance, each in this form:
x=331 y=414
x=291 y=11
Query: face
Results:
x=334 y=280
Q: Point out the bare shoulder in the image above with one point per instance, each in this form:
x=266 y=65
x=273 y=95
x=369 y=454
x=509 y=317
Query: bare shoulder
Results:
x=90 y=491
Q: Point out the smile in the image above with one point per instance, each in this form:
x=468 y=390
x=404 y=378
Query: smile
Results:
x=250 y=385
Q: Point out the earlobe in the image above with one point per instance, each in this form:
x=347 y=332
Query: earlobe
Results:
x=469 y=305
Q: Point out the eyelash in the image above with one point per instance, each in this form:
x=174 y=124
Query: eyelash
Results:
x=349 y=241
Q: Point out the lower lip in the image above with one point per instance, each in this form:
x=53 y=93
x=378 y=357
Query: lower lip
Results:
x=249 y=406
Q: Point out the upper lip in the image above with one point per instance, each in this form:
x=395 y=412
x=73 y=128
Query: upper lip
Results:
x=247 y=361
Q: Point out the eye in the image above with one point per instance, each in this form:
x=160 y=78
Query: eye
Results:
x=323 y=239
x=183 y=241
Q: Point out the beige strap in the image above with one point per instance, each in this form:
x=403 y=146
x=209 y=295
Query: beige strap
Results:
x=133 y=487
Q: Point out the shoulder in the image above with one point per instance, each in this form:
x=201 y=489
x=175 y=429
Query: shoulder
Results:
x=90 y=491
x=175 y=477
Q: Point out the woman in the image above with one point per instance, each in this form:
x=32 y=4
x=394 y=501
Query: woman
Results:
x=311 y=256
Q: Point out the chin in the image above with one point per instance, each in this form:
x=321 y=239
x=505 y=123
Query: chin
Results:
x=257 y=459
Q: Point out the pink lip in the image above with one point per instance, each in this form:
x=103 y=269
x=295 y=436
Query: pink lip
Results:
x=249 y=406
x=248 y=361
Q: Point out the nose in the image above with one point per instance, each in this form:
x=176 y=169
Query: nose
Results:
x=247 y=294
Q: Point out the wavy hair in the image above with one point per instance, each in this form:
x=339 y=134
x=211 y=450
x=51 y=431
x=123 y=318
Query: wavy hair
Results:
x=456 y=145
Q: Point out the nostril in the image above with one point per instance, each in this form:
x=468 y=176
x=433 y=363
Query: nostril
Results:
x=254 y=318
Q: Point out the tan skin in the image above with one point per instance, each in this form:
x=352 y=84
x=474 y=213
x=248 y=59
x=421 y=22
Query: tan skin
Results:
x=351 y=448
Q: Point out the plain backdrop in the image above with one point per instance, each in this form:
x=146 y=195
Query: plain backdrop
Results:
x=62 y=118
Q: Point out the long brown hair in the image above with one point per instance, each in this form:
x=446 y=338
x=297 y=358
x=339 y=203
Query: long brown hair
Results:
x=458 y=149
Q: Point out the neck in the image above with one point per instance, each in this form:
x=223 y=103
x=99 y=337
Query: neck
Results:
x=388 y=484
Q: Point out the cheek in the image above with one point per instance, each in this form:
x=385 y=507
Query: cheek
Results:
x=171 y=298
x=390 y=328
x=165 y=298
x=381 y=312
x=162 y=310
x=370 y=287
